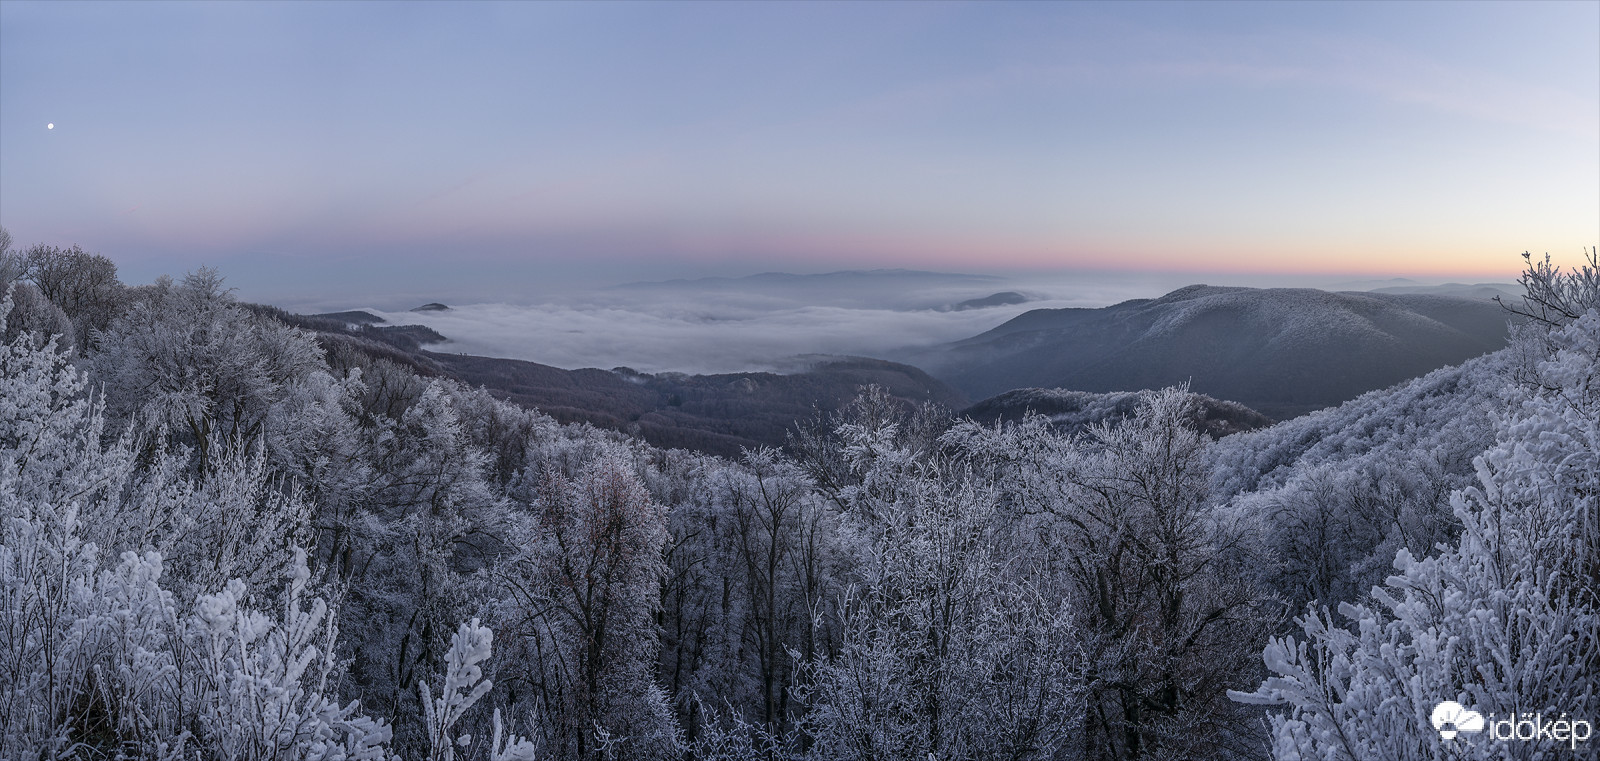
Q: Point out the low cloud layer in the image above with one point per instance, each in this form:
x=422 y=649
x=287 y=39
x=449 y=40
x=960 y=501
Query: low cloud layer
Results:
x=718 y=326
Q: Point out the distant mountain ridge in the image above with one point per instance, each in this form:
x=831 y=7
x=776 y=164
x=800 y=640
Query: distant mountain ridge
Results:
x=1281 y=351
x=1485 y=291
x=787 y=278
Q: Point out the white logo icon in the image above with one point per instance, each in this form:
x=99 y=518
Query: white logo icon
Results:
x=1451 y=718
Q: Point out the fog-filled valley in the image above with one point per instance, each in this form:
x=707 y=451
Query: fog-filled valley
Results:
x=760 y=322
x=771 y=322
x=233 y=531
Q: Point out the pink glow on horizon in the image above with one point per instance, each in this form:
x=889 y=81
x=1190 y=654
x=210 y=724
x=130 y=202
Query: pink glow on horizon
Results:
x=980 y=254
x=813 y=251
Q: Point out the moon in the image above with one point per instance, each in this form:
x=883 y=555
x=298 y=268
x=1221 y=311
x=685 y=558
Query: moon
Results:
x=51 y=125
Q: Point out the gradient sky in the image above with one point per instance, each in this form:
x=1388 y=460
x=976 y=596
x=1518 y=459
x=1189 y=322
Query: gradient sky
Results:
x=518 y=145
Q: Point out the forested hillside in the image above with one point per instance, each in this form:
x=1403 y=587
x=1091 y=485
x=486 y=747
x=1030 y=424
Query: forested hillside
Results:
x=1073 y=412
x=223 y=539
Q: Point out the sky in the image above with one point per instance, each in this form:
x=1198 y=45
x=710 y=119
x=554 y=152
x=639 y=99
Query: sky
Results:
x=354 y=152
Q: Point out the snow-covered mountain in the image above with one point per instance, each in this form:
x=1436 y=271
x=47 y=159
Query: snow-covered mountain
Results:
x=1281 y=351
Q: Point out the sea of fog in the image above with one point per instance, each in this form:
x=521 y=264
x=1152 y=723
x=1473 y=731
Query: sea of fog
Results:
x=763 y=322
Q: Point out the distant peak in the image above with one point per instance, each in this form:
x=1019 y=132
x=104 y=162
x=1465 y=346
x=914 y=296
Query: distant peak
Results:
x=431 y=307
x=1193 y=291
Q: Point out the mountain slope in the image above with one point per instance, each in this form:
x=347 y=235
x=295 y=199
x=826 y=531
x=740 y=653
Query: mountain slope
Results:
x=1333 y=495
x=1281 y=351
x=717 y=414
x=1446 y=415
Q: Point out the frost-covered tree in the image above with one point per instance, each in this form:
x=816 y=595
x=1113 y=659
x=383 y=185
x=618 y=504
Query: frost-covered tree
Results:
x=1154 y=573
x=405 y=551
x=950 y=646
x=510 y=436
x=31 y=312
x=584 y=592
x=83 y=285
x=312 y=435
x=773 y=524
x=1552 y=298
x=750 y=563
x=700 y=617
x=187 y=358
x=1504 y=621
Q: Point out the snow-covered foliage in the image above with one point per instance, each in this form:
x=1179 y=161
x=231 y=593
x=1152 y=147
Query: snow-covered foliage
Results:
x=463 y=686
x=1504 y=621
x=262 y=689
x=101 y=659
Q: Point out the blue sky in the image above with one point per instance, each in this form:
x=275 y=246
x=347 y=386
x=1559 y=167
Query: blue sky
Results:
x=519 y=145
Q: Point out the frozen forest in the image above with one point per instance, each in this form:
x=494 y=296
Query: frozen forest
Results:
x=223 y=539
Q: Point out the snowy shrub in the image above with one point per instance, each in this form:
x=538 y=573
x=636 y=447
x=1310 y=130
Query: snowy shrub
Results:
x=263 y=686
x=61 y=618
x=464 y=686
